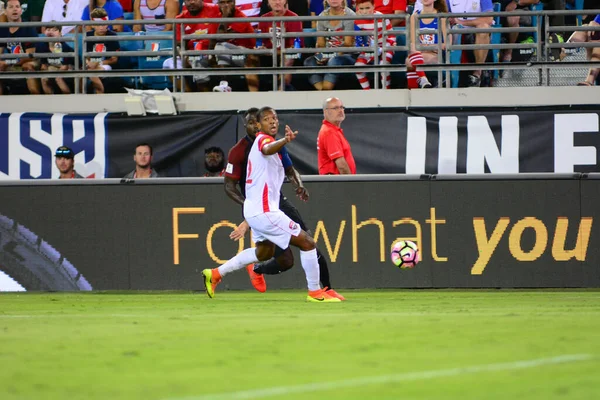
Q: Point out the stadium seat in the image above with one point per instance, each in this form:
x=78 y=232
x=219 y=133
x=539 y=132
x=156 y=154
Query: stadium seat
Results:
x=149 y=62
x=128 y=62
x=578 y=5
x=536 y=7
x=128 y=16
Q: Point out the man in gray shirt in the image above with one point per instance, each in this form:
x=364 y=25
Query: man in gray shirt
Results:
x=143 y=163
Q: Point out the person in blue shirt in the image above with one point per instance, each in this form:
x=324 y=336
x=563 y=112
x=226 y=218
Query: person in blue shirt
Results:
x=113 y=9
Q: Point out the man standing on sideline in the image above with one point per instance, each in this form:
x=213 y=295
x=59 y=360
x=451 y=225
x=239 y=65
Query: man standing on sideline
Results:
x=65 y=162
x=333 y=150
x=143 y=163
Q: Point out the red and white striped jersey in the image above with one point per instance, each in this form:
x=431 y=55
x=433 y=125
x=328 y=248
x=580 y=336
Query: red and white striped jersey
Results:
x=264 y=177
x=368 y=25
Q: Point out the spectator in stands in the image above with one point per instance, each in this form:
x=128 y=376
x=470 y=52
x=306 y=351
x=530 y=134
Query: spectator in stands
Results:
x=154 y=10
x=142 y=156
x=98 y=62
x=214 y=162
x=250 y=8
x=392 y=7
x=64 y=10
x=279 y=8
x=228 y=10
x=327 y=81
x=415 y=77
x=556 y=20
x=482 y=39
x=367 y=7
x=593 y=53
x=333 y=150
x=32 y=11
x=13 y=13
x=298 y=7
x=200 y=10
x=513 y=22
x=65 y=162
x=127 y=5
x=57 y=63
x=316 y=7
x=113 y=9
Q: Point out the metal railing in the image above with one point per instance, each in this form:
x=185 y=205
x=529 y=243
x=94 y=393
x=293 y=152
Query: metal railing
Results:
x=79 y=41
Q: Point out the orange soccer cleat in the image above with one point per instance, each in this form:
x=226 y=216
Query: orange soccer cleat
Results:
x=335 y=294
x=257 y=280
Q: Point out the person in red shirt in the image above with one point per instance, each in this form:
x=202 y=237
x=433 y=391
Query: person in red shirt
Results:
x=228 y=10
x=279 y=8
x=333 y=150
x=392 y=7
x=196 y=9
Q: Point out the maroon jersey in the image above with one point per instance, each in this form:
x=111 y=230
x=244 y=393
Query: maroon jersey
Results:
x=237 y=161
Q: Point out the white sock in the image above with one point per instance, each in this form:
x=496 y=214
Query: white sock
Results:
x=240 y=261
x=310 y=265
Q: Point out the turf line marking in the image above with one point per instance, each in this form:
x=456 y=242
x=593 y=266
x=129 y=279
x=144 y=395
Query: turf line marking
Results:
x=406 y=377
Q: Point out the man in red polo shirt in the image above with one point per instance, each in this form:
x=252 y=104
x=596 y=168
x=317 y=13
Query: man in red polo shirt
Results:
x=392 y=7
x=333 y=150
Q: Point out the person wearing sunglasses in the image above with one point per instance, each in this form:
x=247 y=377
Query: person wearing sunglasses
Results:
x=62 y=11
x=333 y=150
x=65 y=162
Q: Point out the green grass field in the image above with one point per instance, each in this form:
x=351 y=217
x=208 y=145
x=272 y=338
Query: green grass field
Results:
x=384 y=344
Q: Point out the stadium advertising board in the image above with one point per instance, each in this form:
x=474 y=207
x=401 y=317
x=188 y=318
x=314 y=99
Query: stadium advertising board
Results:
x=503 y=232
x=440 y=141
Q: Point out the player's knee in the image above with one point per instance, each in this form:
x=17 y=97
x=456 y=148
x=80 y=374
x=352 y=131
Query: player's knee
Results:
x=309 y=244
x=285 y=260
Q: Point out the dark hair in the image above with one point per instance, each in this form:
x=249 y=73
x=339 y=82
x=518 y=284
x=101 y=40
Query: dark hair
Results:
x=263 y=110
x=252 y=111
x=214 y=149
x=6 y=2
x=143 y=144
x=440 y=6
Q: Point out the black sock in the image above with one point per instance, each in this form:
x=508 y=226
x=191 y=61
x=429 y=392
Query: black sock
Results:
x=269 y=267
x=323 y=270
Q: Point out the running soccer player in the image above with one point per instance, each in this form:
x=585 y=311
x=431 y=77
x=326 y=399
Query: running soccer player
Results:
x=235 y=170
x=270 y=226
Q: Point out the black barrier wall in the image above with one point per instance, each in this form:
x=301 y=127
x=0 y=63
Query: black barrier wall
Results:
x=503 y=231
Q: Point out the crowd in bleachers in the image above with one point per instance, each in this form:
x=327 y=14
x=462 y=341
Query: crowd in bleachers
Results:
x=423 y=46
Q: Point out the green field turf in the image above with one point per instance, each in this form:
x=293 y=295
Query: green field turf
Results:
x=381 y=344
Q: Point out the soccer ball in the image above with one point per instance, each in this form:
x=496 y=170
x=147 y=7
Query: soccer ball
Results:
x=405 y=254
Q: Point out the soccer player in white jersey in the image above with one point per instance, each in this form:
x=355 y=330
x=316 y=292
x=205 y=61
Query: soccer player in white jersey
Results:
x=270 y=226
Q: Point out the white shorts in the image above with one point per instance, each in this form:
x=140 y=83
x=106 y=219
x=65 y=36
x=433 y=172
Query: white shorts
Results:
x=106 y=67
x=275 y=227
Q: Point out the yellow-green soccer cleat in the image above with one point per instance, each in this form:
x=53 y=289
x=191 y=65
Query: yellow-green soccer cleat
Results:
x=210 y=281
x=321 y=296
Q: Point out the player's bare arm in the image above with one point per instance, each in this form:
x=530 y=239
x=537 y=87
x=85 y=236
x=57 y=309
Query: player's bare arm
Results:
x=294 y=177
x=233 y=191
x=277 y=145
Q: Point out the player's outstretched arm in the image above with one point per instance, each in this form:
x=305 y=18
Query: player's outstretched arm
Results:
x=275 y=146
x=232 y=190
x=294 y=177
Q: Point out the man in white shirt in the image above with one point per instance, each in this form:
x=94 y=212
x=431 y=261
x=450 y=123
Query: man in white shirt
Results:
x=270 y=226
x=63 y=11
